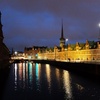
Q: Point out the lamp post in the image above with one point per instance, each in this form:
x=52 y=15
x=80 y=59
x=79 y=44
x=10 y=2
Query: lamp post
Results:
x=55 y=51
x=66 y=50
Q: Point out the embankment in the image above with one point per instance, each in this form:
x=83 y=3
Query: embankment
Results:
x=81 y=68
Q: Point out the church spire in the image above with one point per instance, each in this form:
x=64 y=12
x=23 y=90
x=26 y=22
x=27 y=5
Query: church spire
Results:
x=62 y=39
x=62 y=36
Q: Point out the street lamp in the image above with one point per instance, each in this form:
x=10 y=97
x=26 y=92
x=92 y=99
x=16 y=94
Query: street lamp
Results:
x=66 y=40
x=66 y=54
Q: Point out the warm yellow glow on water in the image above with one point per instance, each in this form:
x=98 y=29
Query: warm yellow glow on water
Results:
x=67 y=84
x=20 y=70
x=57 y=73
x=48 y=73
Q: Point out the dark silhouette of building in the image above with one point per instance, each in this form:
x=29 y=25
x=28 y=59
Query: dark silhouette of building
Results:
x=4 y=51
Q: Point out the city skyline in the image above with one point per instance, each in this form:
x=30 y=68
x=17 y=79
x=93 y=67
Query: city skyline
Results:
x=31 y=23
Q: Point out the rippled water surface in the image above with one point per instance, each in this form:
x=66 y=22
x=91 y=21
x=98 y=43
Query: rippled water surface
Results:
x=35 y=81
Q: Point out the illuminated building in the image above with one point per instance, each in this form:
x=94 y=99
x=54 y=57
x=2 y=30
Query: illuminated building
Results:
x=32 y=52
x=88 y=51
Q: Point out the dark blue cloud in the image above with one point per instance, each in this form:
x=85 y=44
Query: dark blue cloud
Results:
x=38 y=22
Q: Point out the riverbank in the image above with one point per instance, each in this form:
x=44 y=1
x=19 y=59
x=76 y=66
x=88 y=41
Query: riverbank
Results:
x=89 y=69
x=80 y=67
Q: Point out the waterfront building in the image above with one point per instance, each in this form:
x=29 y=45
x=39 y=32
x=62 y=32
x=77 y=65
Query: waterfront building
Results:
x=87 y=51
x=4 y=51
x=32 y=52
x=17 y=55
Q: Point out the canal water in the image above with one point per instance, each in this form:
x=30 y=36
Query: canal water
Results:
x=35 y=81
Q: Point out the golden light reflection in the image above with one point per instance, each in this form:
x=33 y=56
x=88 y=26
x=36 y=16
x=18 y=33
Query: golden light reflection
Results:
x=20 y=69
x=48 y=71
x=23 y=75
x=39 y=69
x=67 y=85
x=57 y=73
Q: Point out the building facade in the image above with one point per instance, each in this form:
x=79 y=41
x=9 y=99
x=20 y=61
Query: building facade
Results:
x=75 y=52
x=32 y=52
x=4 y=51
x=88 y=51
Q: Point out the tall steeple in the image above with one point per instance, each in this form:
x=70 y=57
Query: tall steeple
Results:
x=62 y=39
x=62 y=31
x=1 y=32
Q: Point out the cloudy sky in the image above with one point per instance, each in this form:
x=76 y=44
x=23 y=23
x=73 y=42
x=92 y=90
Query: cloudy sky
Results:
x=28 y=23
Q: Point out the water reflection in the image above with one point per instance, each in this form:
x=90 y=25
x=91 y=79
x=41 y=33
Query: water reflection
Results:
x=15 y=76
x=26 y=74
x=67 y=84
x=38 y=71
x=57 y=73
x=29 y=80
x=48 y=74
x=37 y=77
x=20 y=74
x=23 y=75
x=30 y=74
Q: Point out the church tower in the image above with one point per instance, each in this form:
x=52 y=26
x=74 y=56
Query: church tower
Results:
x=1 y=32
x=62 y=39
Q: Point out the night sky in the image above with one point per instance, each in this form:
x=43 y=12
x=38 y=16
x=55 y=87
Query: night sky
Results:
x=28 y=23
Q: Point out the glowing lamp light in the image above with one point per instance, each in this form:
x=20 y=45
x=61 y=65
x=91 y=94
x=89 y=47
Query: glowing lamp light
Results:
x=15 y=52
x=66 y=39
x=99 y=24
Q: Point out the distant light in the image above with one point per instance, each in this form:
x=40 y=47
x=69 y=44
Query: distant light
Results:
x=36 y=55
x=66 y=39
x=99 y=24
x=15 y=52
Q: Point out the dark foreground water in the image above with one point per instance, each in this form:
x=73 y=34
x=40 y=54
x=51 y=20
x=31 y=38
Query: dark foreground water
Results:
x=35 y=81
